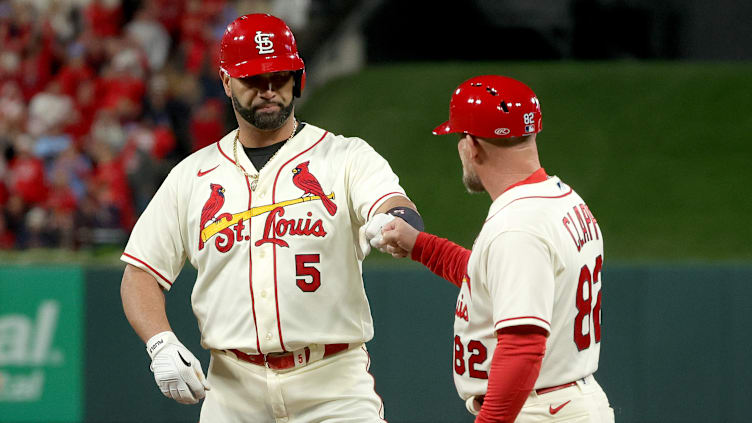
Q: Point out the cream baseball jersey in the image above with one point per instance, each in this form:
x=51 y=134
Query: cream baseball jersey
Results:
x=537 y=261
x=278 y=262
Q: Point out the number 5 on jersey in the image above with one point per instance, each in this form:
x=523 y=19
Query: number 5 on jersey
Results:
x=301 y=260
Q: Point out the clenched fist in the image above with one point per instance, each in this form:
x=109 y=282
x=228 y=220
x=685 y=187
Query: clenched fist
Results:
x=176 y=370
x=370 y=233
x=398 y=238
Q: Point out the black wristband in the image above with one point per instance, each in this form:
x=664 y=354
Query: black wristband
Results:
x=408 y=215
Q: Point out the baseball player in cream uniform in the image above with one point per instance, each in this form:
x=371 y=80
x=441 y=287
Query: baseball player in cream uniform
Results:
x=528 y=315
x=278 y=245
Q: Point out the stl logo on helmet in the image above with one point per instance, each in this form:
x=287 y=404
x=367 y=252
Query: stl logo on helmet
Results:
x=264 y=43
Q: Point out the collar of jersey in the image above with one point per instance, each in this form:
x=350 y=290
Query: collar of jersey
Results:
x=537 y=185
x=537 y=176
x=225 y=147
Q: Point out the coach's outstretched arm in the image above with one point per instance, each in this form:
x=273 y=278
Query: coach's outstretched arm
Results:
x=439 y=255
x=176 y=370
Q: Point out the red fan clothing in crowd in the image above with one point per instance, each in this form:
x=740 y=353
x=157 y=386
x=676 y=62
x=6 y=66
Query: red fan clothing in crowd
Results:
x=72 y=74
x=111 y=184
x=104 y=17
x=62 y=200
x=86 y=105
x=4 y=194
x=26 y=178
x=77 y=76
x=170 y=13
x=206 y=124
x=121 y=88
x=36 y=69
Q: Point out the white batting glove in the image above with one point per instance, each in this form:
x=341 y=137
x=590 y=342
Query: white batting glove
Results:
x=370 y=233
x=176 y=370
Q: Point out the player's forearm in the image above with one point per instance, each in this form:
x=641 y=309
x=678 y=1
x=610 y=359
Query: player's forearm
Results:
x=143 y=303
x=441 y=256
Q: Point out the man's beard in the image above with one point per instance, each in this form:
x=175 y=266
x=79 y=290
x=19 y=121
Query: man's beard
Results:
x=264 y=121
x=470 y=179
x=472 y=183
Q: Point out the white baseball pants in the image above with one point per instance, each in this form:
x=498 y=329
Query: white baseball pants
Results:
x=336 y=389
x=584 y=403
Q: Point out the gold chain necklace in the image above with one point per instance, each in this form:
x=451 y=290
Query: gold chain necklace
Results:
x=255 y=177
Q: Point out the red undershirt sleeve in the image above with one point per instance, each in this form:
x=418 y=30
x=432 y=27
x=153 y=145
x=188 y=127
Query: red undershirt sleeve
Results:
x=441 y=256
x=514 y=369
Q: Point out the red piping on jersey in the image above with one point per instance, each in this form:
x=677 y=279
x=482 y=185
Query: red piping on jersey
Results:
x=276 y=298
x=526 y=198
x=150 y=268
x=536 y=177
x=274 y=247
x=250 y=260
x=250 y=266
x=223 y=153
x=368 y=364
x=522 y=317
x=368 y=216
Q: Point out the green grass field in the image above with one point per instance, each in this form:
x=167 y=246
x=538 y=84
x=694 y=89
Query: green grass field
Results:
x=660 y=151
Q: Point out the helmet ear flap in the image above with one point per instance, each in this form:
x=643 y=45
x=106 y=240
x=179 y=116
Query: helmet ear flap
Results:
x=299 y=77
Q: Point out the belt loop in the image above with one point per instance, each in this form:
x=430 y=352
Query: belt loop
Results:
x=317 y=352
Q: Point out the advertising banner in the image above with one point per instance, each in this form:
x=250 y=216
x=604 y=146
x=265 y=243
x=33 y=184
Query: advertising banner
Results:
x=41 y=339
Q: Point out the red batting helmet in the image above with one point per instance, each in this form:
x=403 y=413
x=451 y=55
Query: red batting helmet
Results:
x=260 y=43
x=493 y=106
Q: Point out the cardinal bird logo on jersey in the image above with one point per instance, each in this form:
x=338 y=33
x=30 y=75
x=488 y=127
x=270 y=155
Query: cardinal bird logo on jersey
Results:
x=211 y=207
x=304 y=179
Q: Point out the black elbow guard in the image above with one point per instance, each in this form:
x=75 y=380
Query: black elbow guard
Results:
x=408 y=215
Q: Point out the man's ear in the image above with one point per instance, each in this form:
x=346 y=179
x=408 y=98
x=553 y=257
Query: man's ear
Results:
x=226 y=82
x=476 y=150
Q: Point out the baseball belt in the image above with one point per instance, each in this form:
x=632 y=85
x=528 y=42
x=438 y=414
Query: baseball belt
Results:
x=540 y=391
x=283 y=361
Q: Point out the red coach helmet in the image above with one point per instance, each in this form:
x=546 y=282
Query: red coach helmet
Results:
x=260 y=43
x=493 y=106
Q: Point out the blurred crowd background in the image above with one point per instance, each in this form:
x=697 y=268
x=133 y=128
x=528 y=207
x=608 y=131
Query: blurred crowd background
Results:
x=98 y=100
